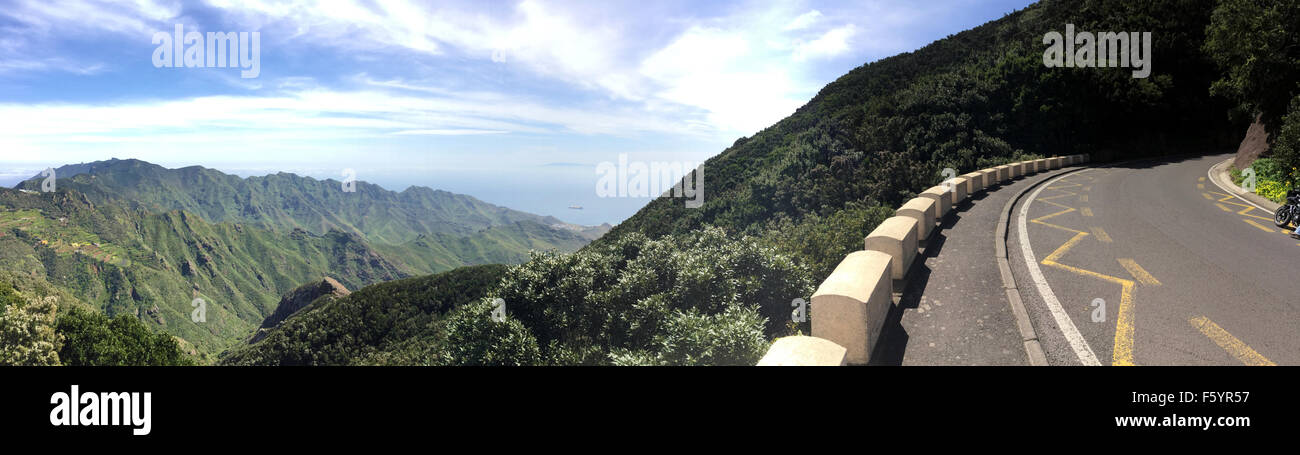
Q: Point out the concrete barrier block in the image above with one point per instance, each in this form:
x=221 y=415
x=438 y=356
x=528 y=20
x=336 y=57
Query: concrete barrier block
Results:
x=974 y=182
x=922 y=209
x=1087 y=157
x=1004 y=173
x=957 y=185
x=849 y=308
x=1017 y=170
x=942 y=198
x=1040 y=164
x=990 y=177
x=896 y=237
x=1059 y=162
x=804 y=351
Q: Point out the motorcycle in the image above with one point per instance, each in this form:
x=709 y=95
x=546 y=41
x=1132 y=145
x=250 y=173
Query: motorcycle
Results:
x=1290 y=212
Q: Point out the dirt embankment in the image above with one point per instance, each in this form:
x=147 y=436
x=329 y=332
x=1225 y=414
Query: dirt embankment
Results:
x=1254 y=145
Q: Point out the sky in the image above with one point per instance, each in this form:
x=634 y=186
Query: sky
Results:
x=513 y=102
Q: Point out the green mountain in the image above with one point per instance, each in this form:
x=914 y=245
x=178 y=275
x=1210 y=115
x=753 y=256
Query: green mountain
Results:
x=283 y=201
x=153 y=266
x=130 y=237
x=671 y=285
x=679 y=286
x=397 y=322
x=884 y=132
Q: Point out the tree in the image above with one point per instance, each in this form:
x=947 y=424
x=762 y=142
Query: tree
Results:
x=1286 y=148
x=27 y=333
x=694 y=298
x=94 y=339
x=1256 y=43
x=8 y=296
x=474 y=337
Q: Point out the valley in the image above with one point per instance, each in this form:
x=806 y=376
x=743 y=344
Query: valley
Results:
x=129 y=237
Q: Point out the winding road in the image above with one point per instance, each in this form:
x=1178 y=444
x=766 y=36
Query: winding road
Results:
x=1152 y=263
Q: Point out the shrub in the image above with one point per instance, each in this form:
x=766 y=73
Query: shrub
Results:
x=733 y=337
x=1272 y=190
x=474 y=338
x=625 y=302
x=95 y=339
x=27 y=333
x=1286 y=149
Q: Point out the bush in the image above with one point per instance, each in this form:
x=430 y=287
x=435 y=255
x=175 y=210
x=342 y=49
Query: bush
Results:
x=1272 y=191
x=824 y=240
x=27 y=333
x=734 y=337
x=8 y=296
x=674 y=300
x=92 y=339
x=473 y=338
x=1286 y=149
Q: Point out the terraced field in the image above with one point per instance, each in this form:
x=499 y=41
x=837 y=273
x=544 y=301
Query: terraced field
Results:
x=61 y=237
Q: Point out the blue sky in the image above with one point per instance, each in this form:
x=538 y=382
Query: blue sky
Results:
x=514 y=102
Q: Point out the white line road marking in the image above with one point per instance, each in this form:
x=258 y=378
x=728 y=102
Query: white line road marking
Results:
x=1210 y=173
x=1072 y=335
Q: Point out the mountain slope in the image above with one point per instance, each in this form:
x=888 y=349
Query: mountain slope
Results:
x=883 y=132
x=283 y=201
x=153 y=266
x=392 y=322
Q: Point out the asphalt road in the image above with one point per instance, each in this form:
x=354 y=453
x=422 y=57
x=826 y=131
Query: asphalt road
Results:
x=1150 y=263
x=953 y=310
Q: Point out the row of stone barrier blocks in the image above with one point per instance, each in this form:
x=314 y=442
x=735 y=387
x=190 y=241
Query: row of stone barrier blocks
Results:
x=848 y=309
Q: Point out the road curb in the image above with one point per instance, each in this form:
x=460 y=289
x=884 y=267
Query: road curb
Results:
x=1218 y=175
x=1033 y=349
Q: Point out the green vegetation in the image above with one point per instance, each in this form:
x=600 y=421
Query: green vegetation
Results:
x=815 y=183
x=397 y=322
x=670 y=285
x=1286 y=149
x=1256 y=44
x=35 y=329
x=284 y=202
x=1271 y=181
x=27 y=334
x=695 y=298
x=92 y=339
x=129 y=237
x=679 y=286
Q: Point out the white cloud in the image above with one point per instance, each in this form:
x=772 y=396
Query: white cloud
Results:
x=723 y=73
x=803 y=21
x=833 y=43
x=9 y=65
x=304 y=117
x=448 y=132
x=674 y=74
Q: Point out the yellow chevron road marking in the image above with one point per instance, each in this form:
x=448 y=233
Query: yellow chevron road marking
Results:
x=1101 y=234
x=1122 y=352
x=1138 y=272
x=1260 y=226
x=1229 y=343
